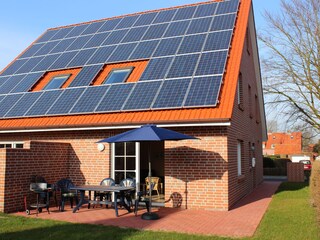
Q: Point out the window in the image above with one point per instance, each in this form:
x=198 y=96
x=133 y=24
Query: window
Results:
x=263 y=145
x=56 y=82
x=257 y=108
x=240 y=92
x=250 y=101
x=272 y=146
x=239 y=157
x=11 y=145
x=118 y=76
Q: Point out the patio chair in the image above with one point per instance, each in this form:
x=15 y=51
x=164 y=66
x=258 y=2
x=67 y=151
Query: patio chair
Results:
x=105 y=196
x=155 y=183
x=129 y=182
x=63 y=186
x=142 y=196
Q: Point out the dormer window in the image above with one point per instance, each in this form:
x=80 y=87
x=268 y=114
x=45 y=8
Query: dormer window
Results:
x=118 y=75
x=56 y=82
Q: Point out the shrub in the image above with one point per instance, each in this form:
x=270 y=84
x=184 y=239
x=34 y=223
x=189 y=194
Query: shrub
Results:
x=268 y=162
x=315 y=186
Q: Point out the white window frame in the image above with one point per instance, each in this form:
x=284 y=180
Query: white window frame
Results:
x=13 y=144
x=239 y=157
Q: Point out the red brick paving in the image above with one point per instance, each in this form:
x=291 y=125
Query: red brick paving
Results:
x=241 y=221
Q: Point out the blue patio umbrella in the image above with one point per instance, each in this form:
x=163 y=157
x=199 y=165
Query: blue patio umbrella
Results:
x=148 y=133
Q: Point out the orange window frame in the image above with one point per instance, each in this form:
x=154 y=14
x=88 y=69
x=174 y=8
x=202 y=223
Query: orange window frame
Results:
x=40 y=85
x=138 y=68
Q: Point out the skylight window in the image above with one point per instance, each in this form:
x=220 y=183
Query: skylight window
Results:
x=56 y=82
x=118 y=76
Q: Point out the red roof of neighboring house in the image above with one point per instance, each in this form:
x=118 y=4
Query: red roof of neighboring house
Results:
x=284 y=143
x=221 y=113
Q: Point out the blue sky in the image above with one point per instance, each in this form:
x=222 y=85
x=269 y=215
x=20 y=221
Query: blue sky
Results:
x=21 y=22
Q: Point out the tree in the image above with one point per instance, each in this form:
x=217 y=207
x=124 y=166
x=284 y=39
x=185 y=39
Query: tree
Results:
x=291 y=61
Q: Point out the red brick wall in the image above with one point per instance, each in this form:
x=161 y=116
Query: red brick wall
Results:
x=295 y=172
x=246 y=127
x=54 y=155
x=49 y=160
x=196 y=170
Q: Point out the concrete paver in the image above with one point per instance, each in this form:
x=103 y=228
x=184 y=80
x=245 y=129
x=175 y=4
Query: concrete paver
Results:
x=241 y=221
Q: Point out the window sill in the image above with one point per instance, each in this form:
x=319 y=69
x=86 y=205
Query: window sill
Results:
x=241 y=178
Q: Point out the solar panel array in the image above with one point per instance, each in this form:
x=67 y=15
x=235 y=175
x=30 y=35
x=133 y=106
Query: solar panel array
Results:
x=187 y=48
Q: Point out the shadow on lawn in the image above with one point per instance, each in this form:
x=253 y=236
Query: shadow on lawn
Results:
x=69 y=231
x=291 y=186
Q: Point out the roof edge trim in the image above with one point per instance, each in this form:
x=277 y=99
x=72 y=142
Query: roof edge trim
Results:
x=208 y=124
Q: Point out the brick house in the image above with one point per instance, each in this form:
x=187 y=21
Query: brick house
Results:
x=280 y=143
x=193 y=69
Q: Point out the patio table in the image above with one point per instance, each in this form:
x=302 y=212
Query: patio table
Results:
x=100 y=188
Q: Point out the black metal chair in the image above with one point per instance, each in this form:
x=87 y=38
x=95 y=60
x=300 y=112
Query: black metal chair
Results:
x=105 y=196
x=129 y=182
x=63 y=186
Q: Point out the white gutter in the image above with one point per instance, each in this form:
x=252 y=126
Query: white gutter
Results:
x=215 y=124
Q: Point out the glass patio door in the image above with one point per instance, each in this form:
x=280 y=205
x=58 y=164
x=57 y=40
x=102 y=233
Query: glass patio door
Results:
x=125 y=161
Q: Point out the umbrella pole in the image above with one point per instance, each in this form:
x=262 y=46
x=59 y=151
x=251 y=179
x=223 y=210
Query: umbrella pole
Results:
x=150 y=215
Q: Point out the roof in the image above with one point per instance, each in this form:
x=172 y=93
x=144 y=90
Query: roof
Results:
x=191 y=84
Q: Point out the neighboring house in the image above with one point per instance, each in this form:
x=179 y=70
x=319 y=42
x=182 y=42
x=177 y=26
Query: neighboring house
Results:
x=283 y=144
x=193 y=68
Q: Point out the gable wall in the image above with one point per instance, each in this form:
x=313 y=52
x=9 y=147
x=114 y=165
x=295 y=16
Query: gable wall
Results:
x=245 y=126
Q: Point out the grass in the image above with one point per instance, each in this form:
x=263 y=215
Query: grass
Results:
x=290 y=216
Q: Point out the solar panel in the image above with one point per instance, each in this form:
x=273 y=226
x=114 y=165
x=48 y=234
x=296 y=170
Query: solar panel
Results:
x=157 y=68
x=115 y=97
x=200 y=25
x=142 y=95
x=86 y=75
x=183 y=66
x=81 y=58
x=3 y=80
x=177 y=28
x=47 y=35
x=27 y=83
x=46 y=62
x=109 y=25
x=79 y=42
x=206 y=10
x=1 y=98
x=93 y=28
x=89 y=100
x=122 y=52
x=63 y=60
x=24 y=103
x=62 y=46
x=115 y=37
x=32 y=50
x=66 y=101
x=8 y=102
x=44 y=102
x=62 y=33
x=127 y=22
x=77 y=30
x=144 y=49
x=172 y=93
x=165 y=16
x=8 y=85
x=184 y=13
x=212 y=63
x=218 y=40
x=145 y=19
x=228 y=7
x=223 y=22
x=135 y=34
x=97 y=40
x=101 y=55
x=167 y=47
x=203 y=91
x=46 y=48
x=155 y=31
x=193 y=43
x=12 y=68
x=29 y=65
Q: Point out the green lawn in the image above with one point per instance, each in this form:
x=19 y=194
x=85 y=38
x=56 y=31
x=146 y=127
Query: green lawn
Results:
x=289 y=216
